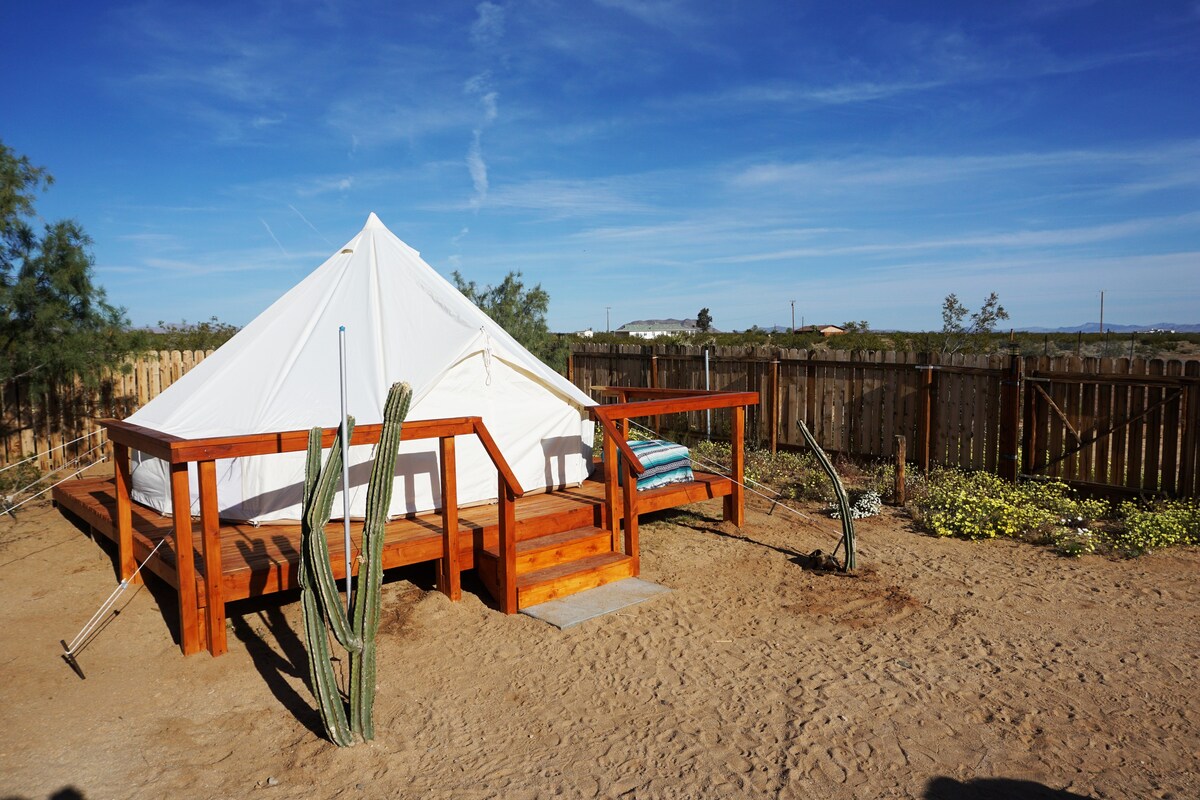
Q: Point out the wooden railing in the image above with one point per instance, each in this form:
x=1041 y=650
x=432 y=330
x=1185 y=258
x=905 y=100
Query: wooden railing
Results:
x=196 y=633
x=636 y=403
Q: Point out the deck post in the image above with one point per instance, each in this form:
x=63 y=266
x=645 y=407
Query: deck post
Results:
x=449 y=577
x=121 y=477
x=610 y=489
x=657 y=424
x=185 y=564
x=508 y=547
x=508 y=561
x=210 y=526
x=735 y=501
x=629 y=502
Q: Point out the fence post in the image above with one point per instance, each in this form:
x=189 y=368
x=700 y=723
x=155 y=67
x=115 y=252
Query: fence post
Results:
x=774 y=417
x=1030 y=425
x=1010 y=414
x=925 y=415
x=898 y=487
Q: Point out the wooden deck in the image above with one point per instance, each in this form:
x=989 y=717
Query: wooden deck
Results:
x=264 y=559
x=228 y=562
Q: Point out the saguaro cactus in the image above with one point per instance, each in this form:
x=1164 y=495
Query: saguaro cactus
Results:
x=320 y=601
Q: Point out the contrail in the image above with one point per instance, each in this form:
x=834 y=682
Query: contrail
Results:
x=309 y=224
x=273 y=236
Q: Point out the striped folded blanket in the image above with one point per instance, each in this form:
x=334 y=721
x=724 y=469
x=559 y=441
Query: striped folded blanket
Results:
x=665 y=462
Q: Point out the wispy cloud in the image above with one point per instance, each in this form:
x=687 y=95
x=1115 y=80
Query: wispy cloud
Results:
x=273 y=236
x=478 y=169
x=673 y=16
x=309 y=224
x=1010 y=239
x=488 y=27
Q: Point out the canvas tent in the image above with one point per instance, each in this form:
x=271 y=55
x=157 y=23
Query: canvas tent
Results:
x=403 y=322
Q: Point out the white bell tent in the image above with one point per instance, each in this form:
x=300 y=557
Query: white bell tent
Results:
x=404 y=322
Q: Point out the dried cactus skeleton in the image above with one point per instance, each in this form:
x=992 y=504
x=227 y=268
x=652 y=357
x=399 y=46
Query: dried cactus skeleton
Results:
x=321 y=603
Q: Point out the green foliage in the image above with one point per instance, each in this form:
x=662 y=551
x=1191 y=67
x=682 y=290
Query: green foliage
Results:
x=521 y=312
x=980 y=505
x=188 y=336
x=18 y=477
x=704 y=320
x=796 y=476
x=959 y=336
x=55 y=323
x=1163 y=524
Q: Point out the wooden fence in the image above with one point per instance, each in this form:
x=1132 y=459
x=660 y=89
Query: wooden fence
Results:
x=59 y=427
x=1118 y=425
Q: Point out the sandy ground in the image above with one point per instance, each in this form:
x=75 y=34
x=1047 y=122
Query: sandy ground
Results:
x=946 y=669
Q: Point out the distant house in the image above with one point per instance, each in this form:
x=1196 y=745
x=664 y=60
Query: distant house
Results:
x=651 y=328
x=824 y=330
x=585 y=334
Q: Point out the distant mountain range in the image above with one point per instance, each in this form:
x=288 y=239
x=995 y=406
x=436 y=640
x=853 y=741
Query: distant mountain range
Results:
x=1094 y=327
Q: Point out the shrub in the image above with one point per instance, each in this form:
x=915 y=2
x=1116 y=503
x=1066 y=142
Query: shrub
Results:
x=979 y=505
x=1162 y=524
x=796 y=476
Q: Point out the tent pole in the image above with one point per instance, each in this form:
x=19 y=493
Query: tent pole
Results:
x=345 y=462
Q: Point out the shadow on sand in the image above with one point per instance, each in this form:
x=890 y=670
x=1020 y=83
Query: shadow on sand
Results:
x=943 y=788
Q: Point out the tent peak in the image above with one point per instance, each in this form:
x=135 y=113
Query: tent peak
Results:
x=374 y=222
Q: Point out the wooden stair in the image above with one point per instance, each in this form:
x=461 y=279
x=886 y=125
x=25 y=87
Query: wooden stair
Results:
x=557 y=565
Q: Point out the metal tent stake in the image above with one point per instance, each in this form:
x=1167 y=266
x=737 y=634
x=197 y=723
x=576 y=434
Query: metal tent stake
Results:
x=345 y=462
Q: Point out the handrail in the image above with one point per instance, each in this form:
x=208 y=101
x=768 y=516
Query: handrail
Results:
x=675 y=404
x=670 y=401
x=610 y=430
x=489 y=444
x=654 y=391
x=177 y=450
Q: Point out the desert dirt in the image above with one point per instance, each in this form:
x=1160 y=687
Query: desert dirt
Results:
x=944 y=669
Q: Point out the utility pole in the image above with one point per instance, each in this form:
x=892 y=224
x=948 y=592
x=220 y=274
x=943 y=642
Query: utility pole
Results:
x=607 y=319
x=1101 y=312
x=793 y=316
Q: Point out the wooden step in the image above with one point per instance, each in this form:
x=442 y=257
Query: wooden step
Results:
x=563 y=580
x=555 y=548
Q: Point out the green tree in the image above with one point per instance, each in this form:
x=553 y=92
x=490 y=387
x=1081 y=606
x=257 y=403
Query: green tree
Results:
x=187 y=336
x=55 y=322
x=704 y=320
x=521 y=312
x=957 y=334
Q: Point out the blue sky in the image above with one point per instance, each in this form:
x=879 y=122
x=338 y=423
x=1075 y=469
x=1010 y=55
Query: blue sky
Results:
x=861 y=158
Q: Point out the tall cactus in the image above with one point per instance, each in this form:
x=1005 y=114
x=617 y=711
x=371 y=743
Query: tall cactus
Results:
x=320 y=601
x=370 y=576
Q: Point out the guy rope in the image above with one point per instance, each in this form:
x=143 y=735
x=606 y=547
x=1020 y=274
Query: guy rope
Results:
x=84 y=637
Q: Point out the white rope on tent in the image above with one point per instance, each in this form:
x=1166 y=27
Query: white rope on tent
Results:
x=9 y=509
x=777 y=500
x=51 y=450
x=41 y=478
x=92 y=625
